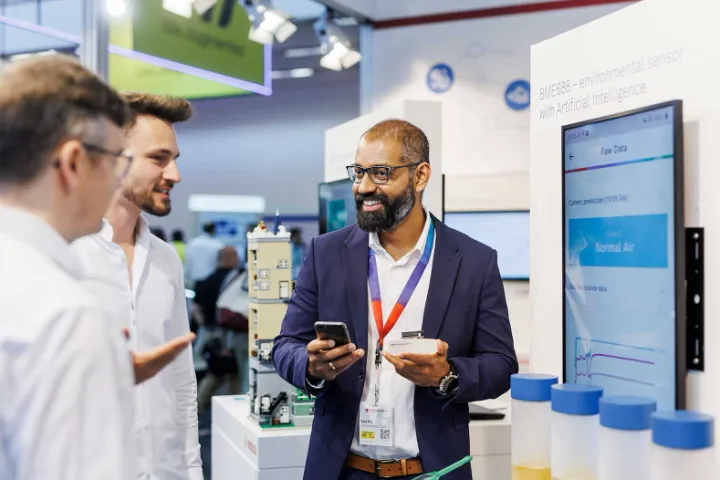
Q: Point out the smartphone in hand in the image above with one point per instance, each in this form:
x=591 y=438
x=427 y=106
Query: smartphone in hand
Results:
x=336 y=331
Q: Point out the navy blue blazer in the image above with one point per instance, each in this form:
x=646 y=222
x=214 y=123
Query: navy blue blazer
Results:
x=465 y=307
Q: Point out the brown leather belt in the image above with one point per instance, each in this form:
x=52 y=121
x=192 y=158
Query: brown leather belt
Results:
x=385 y=468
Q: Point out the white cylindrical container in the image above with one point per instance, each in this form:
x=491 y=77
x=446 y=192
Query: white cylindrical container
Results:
x=530 y=426
x=574 y=431
x=624 y=440
x=683 y=446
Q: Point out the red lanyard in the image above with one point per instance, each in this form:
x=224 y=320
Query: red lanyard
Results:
x=375 y=296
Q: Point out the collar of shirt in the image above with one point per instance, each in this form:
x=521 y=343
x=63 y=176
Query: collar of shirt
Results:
x=32 y=230
x=416 y=252
x=142 y=247
x=142 y=233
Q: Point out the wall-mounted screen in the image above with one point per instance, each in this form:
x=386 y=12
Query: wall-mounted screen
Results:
x=506 y=232
x=337 y=205
x=623 y=254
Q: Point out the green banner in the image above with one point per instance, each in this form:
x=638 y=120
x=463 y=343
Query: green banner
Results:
x=216 y=41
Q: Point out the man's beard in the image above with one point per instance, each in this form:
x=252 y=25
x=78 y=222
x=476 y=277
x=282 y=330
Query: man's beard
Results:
x=145 y=202
x=387 y=218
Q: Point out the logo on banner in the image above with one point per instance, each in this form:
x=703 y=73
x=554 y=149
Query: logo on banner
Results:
x=517 y=95
x=440 y=78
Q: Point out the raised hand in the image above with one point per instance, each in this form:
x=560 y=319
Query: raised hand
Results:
x=147 y=364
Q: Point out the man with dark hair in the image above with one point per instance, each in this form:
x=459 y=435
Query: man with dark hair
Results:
x=65 y=377
x=141 y=278
x=399 y=270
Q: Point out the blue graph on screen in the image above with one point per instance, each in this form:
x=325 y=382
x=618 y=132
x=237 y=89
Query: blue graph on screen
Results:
x=596 y=360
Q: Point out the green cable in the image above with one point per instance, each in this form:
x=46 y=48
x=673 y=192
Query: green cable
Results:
x=446 y=470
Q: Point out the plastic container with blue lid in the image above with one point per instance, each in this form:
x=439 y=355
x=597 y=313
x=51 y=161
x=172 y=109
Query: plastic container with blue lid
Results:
x=624 y=440
x=530 y=427
x=683 y=446
x=574 y=430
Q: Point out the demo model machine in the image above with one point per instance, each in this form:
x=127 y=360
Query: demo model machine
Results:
x=273 y=402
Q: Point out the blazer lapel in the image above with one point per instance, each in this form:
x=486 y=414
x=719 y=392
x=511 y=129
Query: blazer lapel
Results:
x=355 y=262
x=446 y=263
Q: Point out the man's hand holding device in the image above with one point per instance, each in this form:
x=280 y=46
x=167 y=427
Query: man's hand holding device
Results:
x=332 y=352
x=423 y=369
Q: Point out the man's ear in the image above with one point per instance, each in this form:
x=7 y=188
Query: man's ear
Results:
x=69 y=162
x=422 y=176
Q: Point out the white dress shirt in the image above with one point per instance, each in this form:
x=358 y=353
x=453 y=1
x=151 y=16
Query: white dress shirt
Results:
x=201 y=257
x=66 y=386
x=395 y=391
x=153 y=308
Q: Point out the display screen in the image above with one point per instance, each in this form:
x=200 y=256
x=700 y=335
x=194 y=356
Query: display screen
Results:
x=622 y=209
x=337 y=205
x=506 y=232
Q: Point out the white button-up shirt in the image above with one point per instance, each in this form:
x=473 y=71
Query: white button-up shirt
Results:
x=201 y=257
x=66 y=384
x=395 y=391
x=153 y=308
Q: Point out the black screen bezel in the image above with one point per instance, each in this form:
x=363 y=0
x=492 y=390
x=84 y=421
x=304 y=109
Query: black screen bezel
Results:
x=678 y=231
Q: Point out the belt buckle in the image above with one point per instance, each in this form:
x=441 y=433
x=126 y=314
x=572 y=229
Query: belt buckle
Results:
x=379 y=463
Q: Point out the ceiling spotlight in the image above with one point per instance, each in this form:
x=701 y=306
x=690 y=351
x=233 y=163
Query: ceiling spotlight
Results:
x=115 y=8
x=268 y=24
x=337 y=49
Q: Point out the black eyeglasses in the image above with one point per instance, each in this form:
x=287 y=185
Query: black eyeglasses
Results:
x=379 y=175
x=122 y=160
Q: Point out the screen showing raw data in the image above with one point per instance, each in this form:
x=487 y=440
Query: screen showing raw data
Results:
x=619 y=255
x=506 y=232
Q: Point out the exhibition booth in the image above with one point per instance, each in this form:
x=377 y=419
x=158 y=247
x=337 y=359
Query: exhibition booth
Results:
x=242 y=444
x=602 y=209
x=621 y=191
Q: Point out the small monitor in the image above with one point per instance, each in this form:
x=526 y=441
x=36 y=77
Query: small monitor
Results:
x=336 y=205
x=623 y=254
x=507 y=232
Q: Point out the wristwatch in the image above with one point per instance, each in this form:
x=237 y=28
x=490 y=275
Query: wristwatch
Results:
x=449 y=383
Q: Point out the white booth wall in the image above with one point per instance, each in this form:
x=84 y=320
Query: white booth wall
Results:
x=641 y=33
x=485 y=143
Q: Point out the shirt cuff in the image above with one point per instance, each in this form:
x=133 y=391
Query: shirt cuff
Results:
x=315 y=386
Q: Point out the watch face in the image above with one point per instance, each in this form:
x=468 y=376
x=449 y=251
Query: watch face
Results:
x=448 y=383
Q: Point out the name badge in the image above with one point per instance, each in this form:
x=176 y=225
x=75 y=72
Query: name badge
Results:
x=376 y=426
